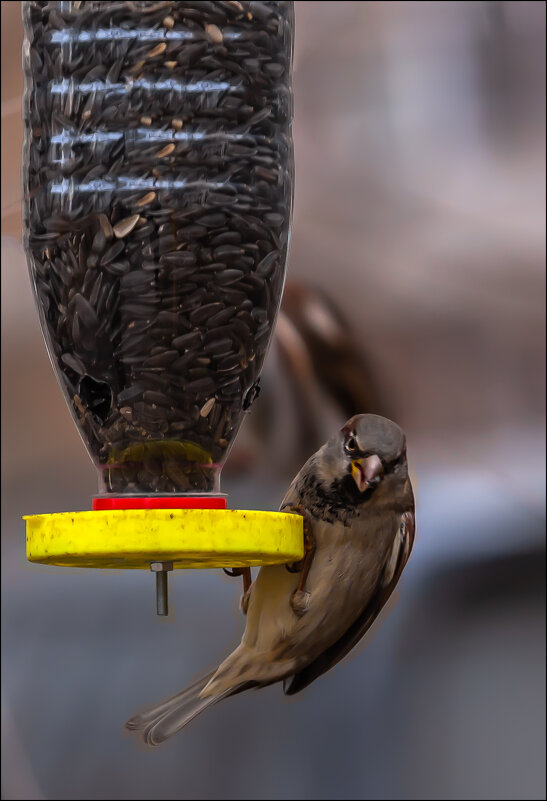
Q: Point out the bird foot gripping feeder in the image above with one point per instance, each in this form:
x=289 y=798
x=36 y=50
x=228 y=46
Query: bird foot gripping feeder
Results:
x=158 y=184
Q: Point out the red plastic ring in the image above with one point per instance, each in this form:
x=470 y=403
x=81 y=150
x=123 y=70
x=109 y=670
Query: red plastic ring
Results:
x=179 y=502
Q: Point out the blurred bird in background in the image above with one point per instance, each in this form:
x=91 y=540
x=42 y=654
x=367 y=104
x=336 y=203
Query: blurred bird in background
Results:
x=315 y=377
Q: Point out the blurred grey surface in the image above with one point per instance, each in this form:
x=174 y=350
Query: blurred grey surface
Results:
x=420 y=210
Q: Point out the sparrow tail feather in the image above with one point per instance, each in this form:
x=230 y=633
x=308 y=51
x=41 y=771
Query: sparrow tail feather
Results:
x=157 y=723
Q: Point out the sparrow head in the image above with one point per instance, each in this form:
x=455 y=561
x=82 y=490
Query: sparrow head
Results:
x=369 y=451
x=374 y=449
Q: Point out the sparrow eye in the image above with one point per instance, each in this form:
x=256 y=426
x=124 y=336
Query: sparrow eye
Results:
x=351 y=444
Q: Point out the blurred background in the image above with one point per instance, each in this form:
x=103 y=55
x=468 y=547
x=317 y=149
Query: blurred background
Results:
x=416 y=289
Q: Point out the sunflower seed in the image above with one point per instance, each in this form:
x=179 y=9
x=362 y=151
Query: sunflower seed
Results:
x=223 y=345
x=165 y=151
x=203 y=312
x=214 y=33
x=130 y=394
x=124 y=227
x=227 y=277
x=74 y=363
x=207 y=407
x=161 y=359
x=158 y=50
x=187 y=341
x=145 y=200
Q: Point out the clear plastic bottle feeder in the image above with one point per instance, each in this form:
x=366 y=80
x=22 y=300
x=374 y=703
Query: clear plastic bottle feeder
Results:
x=158 y=183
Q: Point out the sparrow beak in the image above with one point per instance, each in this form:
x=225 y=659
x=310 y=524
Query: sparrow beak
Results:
x=367 y=472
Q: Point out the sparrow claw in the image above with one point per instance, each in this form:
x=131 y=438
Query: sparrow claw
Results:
x=300 y=602
x=309 y=541
x=300 y=599
x=244 y=601
x=247 y=584
x=232 y=572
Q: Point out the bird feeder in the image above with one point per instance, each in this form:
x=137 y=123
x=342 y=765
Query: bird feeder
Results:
x=158 y=184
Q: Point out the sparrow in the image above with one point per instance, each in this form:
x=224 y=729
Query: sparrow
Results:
x=357 y=502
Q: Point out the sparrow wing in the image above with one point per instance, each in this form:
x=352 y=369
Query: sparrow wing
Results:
x=392 y=573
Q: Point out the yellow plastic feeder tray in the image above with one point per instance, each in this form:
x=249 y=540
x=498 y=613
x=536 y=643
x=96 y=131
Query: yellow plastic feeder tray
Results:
x=165 y=539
